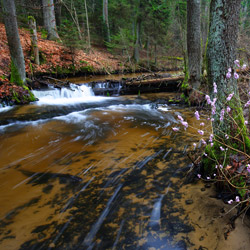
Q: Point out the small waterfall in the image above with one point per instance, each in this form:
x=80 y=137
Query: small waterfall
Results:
x=72 y=95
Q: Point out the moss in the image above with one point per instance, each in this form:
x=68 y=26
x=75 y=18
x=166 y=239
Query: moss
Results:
x=31 y=18
x=15 y=75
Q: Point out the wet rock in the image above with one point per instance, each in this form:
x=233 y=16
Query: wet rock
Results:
x=189 y=202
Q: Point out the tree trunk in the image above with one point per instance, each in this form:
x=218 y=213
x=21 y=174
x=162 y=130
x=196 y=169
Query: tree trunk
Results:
x=87 y=23
x=50 y=20
x=18 y=74
x=194 y=42
x=106 y=20
x=58 y=12
x=34 y=46
x=136 y=55
x=204 y=24
x=221 y=53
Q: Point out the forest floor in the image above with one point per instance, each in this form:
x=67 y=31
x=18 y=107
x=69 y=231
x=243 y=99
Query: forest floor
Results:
x=58 y=60
x=56 y=56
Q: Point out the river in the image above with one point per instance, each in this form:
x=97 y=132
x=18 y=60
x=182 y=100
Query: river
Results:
x=85 y=172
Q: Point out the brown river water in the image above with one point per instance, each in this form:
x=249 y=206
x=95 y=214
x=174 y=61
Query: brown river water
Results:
x=85 y=172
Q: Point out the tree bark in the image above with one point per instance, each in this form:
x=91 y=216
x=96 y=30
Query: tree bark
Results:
x=194 y=42
x=34 y=46
x=50 y=20
x=58 y=12
x=221 y=53
x=18 y=74
x=87 y=23
x=136 y=55
x=106 y=20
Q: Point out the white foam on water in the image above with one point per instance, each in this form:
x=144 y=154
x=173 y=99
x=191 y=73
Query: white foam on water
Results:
x=74 y=117
x=64 y=96
x=5 y=109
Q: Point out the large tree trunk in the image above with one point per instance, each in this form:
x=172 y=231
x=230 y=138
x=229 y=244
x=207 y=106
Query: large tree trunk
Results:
x=221 y=53
x=18 y=74
x=49 y=19
x=194 y=42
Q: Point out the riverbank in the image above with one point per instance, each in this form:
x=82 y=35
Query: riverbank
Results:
x=210 y=218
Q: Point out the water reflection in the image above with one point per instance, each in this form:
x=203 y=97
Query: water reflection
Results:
x=103 y=176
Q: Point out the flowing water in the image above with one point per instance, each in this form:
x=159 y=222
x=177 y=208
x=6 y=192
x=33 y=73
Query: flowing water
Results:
x=84 y=172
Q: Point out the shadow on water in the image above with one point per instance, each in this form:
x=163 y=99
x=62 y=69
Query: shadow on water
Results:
x=97 y=176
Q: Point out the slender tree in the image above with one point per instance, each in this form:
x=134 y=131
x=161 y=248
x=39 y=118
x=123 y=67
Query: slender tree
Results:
x=221 y=54
x=194 y=42
x=49 y=19
x=18 y=74
x=87 y=22
x=106 y=20
x=34 y=46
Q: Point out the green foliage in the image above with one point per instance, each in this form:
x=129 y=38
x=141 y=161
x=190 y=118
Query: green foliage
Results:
x=44 y=34
x=69 y=35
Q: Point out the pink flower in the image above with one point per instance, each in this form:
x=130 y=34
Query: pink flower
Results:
x=228 y=75
x=194 y=144
x=176 y=129
x=228 y=109
x=197 y=115
x=248 y=168
x=212 y=119
x=221 y=166
x=203 y=142
x=229 y=70
x=222 y=114
x=230 y=202
x=205 y=154
x=230 y=97
x=199 y=176
x=236 y=76
x=237 y=63
x=216 y=166
x=201 y=132
x=208 y=99
x=212 y=145
x=246 y=122
x=185 y=124
x=202 y=124
x=180 y=118
x=237 y=199
x=211 y=138
x=247 y=104
x=215 y=88
x=244 y=67
x=221 y=148
x=208 y=178
x=226 y=136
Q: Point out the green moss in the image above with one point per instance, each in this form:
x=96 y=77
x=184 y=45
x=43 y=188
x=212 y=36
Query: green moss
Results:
x=15 y=76
x=31 y=18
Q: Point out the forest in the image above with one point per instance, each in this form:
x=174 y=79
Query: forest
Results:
x=125 y=151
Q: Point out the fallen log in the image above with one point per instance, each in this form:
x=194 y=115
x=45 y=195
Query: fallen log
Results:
x=159 y=80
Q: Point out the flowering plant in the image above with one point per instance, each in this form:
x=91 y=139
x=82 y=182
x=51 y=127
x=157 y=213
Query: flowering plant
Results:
x=226 y=158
